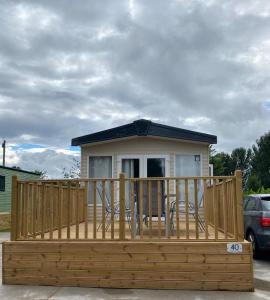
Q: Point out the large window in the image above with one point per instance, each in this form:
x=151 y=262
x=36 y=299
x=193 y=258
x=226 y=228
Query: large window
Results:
x=189 y=165
x=2 y=183
x=100 y=167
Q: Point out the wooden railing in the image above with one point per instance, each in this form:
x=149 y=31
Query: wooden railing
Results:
x=170 y=208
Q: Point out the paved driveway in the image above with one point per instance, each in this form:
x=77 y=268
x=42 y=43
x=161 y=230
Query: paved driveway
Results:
x=262 y=285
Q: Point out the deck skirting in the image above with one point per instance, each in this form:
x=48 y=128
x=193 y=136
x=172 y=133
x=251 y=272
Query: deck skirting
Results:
x=128 y=264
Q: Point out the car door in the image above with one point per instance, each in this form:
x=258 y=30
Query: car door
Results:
x=246 y=213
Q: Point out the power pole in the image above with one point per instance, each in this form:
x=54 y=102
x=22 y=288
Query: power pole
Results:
x=4 y=152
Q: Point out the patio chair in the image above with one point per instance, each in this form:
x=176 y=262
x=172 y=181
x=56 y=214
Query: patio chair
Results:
x=191 y=210
x=116 y=211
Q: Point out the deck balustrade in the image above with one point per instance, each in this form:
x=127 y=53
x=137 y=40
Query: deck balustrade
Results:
x=167 y=208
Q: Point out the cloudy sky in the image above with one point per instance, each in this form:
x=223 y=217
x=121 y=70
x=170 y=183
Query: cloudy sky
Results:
x=68 y=68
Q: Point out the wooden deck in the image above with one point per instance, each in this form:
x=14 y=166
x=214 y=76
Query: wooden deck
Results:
x=57 y=238
x=146 y=232
x=131 y=264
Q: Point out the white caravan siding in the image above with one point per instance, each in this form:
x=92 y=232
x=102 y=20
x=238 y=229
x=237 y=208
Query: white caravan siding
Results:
x=145 y=145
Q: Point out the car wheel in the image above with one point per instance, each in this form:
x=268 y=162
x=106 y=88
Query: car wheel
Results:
x=252 y=239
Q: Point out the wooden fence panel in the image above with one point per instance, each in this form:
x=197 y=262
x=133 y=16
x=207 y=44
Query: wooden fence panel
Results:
x=180 y=208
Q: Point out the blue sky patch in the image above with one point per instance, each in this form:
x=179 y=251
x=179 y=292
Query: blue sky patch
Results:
x=26 y=146
x=267 y=104
x=73 y=148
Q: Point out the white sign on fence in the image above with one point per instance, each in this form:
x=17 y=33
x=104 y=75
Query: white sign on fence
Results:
x=234 y=248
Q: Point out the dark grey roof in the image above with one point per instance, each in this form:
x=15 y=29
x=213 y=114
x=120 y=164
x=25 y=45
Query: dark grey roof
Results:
x=18 y=170
x=144 y=128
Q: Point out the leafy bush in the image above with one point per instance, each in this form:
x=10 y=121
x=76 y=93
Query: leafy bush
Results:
x=260 y=190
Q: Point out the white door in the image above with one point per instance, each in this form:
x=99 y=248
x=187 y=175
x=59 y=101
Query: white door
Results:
x=139 y=166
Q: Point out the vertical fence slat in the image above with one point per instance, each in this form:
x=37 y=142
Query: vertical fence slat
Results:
x=177 y=208
x=25 y=217
x=187 y=208
x=22 y=208
x=14 y=208
x=19 y=211
x=51 y=212
x=94 y=210
x=196 y=208
x=206 y=208
x=215 y=209
x=86 y=210
x=159 y=208
x=122 y=207
x=234 y=205
x=77 y=207
x=132 y=209
x=230 y=207
x=43 y=210
x=168 y=210
x=38 y=216
x=103 y=207
x=35 y=200
x=112 y=209
x=68 y=208
x=224 y=202
x=150 y=213
x=60 y=209
x=30 y=209
x=141 y=208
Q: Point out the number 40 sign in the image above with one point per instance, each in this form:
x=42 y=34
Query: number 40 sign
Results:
x=234 y=248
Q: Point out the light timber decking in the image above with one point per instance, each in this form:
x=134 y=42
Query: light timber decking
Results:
x=161 y=233
x=119 y=264
x=79 y=233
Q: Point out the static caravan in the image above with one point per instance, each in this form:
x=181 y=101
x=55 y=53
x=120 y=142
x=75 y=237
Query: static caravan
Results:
x=144 y=214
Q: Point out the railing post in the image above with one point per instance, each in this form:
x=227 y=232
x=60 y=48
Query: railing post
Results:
x=122 y=206
x=239 y=205
x=14 y=209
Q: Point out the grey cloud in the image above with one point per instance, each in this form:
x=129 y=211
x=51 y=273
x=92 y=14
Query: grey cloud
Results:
x=67 y=70
x=50 y=161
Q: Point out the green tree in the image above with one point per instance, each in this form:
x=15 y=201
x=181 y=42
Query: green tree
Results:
x=261 y=160
x=221 y=164
x=241 y=160
x=253 y=183
x=225 y=164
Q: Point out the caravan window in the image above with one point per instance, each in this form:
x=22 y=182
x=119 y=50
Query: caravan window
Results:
x=2 y=183
x=100 y=167
x=188 y=165
x=185 y=166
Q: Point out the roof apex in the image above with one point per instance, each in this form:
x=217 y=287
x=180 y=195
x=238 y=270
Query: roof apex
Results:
x=142 y=126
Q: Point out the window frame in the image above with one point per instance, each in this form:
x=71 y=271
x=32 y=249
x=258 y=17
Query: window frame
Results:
x=2 y=177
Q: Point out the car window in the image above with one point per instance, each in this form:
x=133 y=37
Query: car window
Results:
x=252 y=204
x=266 y=203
